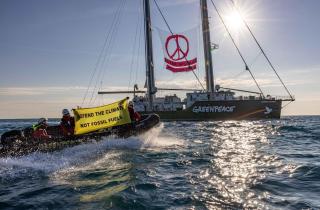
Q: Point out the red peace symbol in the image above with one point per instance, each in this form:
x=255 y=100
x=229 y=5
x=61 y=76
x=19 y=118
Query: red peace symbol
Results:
x=178 y=53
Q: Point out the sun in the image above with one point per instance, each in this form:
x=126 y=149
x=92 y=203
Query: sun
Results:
x=234 y=21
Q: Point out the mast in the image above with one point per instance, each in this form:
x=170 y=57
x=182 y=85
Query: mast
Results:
x=151 y=89
x=207 y=46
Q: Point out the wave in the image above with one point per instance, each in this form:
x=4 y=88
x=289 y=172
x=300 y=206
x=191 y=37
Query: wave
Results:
x=307 y=173
x=294 y=128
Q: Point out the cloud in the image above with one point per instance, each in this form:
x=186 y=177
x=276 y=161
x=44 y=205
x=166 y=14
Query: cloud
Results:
x=193 y=84
x=37 y=91
x=58 y=90
x=31 y=102
x=179 y=83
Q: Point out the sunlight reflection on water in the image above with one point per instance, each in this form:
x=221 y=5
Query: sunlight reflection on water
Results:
x=237 y=164
x=179 y=165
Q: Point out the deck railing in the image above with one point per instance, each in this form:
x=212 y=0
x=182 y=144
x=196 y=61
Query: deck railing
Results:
x=272 y=98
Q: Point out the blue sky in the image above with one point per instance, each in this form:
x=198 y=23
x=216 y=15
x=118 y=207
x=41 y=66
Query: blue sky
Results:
x=48 y=50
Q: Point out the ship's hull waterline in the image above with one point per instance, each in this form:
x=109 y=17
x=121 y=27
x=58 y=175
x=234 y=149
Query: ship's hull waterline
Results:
x=225 y=110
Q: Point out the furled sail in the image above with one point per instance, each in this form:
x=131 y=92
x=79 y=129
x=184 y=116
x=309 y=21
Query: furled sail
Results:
x=96 y=118
x=180 y=50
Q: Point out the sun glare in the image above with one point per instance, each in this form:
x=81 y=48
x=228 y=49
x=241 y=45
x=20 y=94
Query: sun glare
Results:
x=234 y=21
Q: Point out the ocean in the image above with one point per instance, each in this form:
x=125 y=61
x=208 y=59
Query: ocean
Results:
x=264 y=164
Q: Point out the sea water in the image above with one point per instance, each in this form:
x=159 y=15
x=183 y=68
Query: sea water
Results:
x=264 y=164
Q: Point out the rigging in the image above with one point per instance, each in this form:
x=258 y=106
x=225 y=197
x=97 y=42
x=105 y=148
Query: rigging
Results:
x=135 y=55
x=261 y=49
x=107 y=56
x=97 y=70
x=236 y=46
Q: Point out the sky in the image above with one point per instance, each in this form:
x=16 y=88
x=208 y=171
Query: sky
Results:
x=51 y=50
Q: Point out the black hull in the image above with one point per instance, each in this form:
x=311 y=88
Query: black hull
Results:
x=15 y=143
x=226 y=110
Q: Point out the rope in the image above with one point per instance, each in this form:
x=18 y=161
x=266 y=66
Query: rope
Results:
x=255 y=59
x=260 y=47
x=138 y=53
x=97 y=95
x=286 y=104
x=98 y=60
x=134 y=48
x=172 y=34
x=236 y=46
x=109 y=48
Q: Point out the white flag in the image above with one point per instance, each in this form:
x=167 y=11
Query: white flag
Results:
x=180 y=50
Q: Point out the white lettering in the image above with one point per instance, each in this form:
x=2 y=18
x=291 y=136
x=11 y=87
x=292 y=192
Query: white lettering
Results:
x=197 y=109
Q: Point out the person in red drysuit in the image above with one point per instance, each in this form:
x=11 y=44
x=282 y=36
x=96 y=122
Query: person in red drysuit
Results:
x=67 y=123
x=39 y=130
x=135 y=116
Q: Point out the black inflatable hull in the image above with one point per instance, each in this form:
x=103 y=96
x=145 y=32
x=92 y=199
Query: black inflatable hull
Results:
x=17 y=143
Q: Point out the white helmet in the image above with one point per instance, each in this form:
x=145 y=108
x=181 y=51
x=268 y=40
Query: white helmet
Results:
x=65 y=112
x=42 y=121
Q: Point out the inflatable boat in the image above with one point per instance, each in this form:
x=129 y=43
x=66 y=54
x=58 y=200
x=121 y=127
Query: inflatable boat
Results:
x=20 y=142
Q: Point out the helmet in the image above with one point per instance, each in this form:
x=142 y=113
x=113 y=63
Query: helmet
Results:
x=130 y=103
x=42 y=121
x=65 y=112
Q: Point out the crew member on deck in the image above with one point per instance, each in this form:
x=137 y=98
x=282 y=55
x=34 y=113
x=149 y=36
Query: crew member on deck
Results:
x=39 y=130
x=67 y=123
x=135 y=116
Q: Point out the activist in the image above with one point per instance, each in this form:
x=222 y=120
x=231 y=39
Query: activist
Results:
x=135 y=116
x=39 y=130
x=67 y=123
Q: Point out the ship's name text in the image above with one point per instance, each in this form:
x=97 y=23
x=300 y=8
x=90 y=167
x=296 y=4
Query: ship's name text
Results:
x=198 y=109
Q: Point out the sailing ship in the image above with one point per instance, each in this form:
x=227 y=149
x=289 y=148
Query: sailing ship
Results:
x=211 y=103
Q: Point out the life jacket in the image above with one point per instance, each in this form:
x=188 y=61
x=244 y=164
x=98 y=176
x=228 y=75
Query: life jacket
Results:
x=39 y=132
x=35 y=127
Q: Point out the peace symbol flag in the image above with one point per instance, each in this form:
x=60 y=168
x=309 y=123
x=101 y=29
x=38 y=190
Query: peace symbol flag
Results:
x=180 y=50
